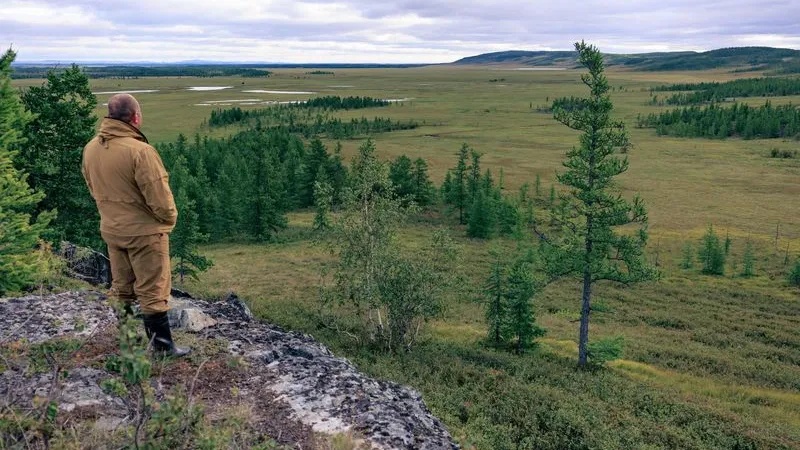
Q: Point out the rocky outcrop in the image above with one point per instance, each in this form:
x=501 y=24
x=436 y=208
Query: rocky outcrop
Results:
x=288 y=371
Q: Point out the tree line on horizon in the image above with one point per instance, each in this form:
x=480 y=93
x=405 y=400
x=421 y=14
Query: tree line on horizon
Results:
x=717 y=92
x=134 y=72
x=719 y=122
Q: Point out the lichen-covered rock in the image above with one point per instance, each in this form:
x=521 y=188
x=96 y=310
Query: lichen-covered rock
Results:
x=39 y=318
x=194 y=319
x=322 y=391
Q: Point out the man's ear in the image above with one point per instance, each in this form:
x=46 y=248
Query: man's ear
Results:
x=136 y=119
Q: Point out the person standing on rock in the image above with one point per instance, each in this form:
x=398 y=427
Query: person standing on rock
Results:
x=128 y=182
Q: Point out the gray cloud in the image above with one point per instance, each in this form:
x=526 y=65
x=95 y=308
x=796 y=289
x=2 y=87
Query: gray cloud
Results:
x=369 y=31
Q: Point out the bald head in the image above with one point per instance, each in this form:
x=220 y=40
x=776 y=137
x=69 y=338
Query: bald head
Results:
x=125 y=108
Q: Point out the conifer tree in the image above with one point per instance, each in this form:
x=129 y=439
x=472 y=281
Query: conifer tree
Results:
x=474 y=179
x=749 y=260
x=501 y=184
x=687 y=259
x=63 y=123
x=496 y=303
x=231 y=210
x=184 y=240
x=794 y=274
x=589 y=244
x=297 y=194
x=521 y=319
x=728 y=243
x=538 y=186
x=323 y=199
x=458 y=195
x=19 y=232
x=423 y=187
x=203 y=193
x=482 y=216
x=447 y=187
x=402 y=178
x=712 y=254
x=186 y=236
x=524 y=195
x=267 y=210
x=316 y=158
x=337 y=172
x=509 y=218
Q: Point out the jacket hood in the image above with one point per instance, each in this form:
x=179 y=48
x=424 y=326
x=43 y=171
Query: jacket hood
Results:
x=114 y=128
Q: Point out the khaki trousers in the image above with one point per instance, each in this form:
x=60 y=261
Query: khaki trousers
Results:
x=140 y=270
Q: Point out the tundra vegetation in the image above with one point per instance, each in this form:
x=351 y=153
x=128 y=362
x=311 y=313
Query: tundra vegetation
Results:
x=462 y=242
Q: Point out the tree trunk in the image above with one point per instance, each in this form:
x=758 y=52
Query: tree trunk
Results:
x=586 y=306
x=583 y=339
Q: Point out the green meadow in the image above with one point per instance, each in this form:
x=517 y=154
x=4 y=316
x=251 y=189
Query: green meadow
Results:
x=709 y=362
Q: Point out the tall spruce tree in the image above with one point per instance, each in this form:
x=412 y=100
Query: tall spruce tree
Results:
x=457 y=193
x=474 y=178
x=232 y=185
x=268 y=203
x=589 y=244
x=63 y=123
x=317 y=157
x=19 y=232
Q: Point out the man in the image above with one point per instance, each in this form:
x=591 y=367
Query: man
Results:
x=128 y=182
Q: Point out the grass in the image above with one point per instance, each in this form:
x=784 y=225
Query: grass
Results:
x=710 y=362
x=723 y=351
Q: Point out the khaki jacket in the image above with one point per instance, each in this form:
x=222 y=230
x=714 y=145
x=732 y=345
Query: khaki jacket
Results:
x=128 y=182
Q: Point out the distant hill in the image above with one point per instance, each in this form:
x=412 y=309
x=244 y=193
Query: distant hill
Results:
x=741 y=58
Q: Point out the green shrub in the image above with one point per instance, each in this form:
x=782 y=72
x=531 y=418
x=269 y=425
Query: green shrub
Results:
x=604 y=350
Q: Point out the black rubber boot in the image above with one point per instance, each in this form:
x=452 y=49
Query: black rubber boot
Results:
x=157 y=328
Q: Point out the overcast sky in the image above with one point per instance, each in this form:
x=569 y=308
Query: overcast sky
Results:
x=376 y=31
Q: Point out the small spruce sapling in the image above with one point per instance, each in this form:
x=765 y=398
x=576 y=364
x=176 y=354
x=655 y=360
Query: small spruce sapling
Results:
x=728 y=243
x=687 y=259
x=712 y=254
x=794 y=275
x=748 y=264
x=521 y=318
x=323 y=198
